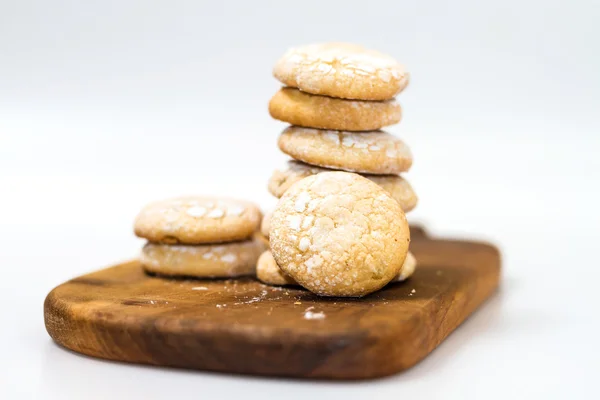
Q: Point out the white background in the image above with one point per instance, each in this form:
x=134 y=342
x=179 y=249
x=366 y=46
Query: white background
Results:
x=106 y=105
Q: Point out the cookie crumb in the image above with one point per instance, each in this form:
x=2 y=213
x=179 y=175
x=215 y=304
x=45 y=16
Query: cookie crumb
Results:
x=314 y=315
x=298 y=302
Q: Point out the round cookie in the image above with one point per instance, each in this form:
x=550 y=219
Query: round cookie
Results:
x=202 y=261
x=303 y=109
x=339 y=234
x=374 y=152
x=395 y=185
x=267 y=271
x=262 y=238
x=265 y=225
x=408 y=268
x=196 y=220
x=342 y=70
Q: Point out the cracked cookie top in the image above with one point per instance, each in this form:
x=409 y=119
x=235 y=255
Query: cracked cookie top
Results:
x=339 y=234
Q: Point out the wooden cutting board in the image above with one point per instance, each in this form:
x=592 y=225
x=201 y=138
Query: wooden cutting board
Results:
x=243 y=326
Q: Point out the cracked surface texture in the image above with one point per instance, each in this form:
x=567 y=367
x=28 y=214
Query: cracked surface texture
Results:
x=294 y=171
x=218 y=260
x=342 y=70
x=195 y=220
x=267 y=271
x=303 y=109
x=373 y=152
x=339 y=234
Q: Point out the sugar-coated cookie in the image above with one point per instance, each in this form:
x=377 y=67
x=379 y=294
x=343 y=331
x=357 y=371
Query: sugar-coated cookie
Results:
x=267 y=271
x=204 y=260
x=408 y=268
x=341 y=70
x=339 y=234
x=374 y=152
x=262 y=238
x=265 y=225
x=304 y=109
x=395 y=185
x=195 y=220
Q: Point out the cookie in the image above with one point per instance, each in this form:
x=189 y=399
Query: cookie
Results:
x=408 y=268
x=262 y=238
x=195 y=220
x=267 y=271
x=265 y=225
x=395 y=185
x=303 y=109
x=343 y=70
x=339 y=234
x=202 y=261
x=374 y=152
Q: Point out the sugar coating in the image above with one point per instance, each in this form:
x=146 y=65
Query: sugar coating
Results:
x=294 y=222
x=294 y=171
x=373 y=152
x=342 y=70
x=356 y=239
x=196 y=211
x=314 y=315
x=305 y=244
x=206 y=260
x=197 y=220
x=216 y=213
x=267 y=271
x=304 y=109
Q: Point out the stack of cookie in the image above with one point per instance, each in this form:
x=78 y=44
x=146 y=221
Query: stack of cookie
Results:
x=337 y=98
x=200 y=237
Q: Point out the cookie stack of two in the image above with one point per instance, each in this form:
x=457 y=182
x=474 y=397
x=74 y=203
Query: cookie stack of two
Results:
x=337 y=97
x=200 y=237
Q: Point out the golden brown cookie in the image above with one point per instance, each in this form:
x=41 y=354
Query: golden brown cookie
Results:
x=265 y=225
x=374 y=152
x=339 y=234
x=408 y=268
x=195 y=220
x=262 y=238
x=341 y=70
x=267 y=271
x=202 y=261
x=303 y=109
x=395 y=185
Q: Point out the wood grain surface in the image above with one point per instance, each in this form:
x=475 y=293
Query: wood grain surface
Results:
x=243 y=326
